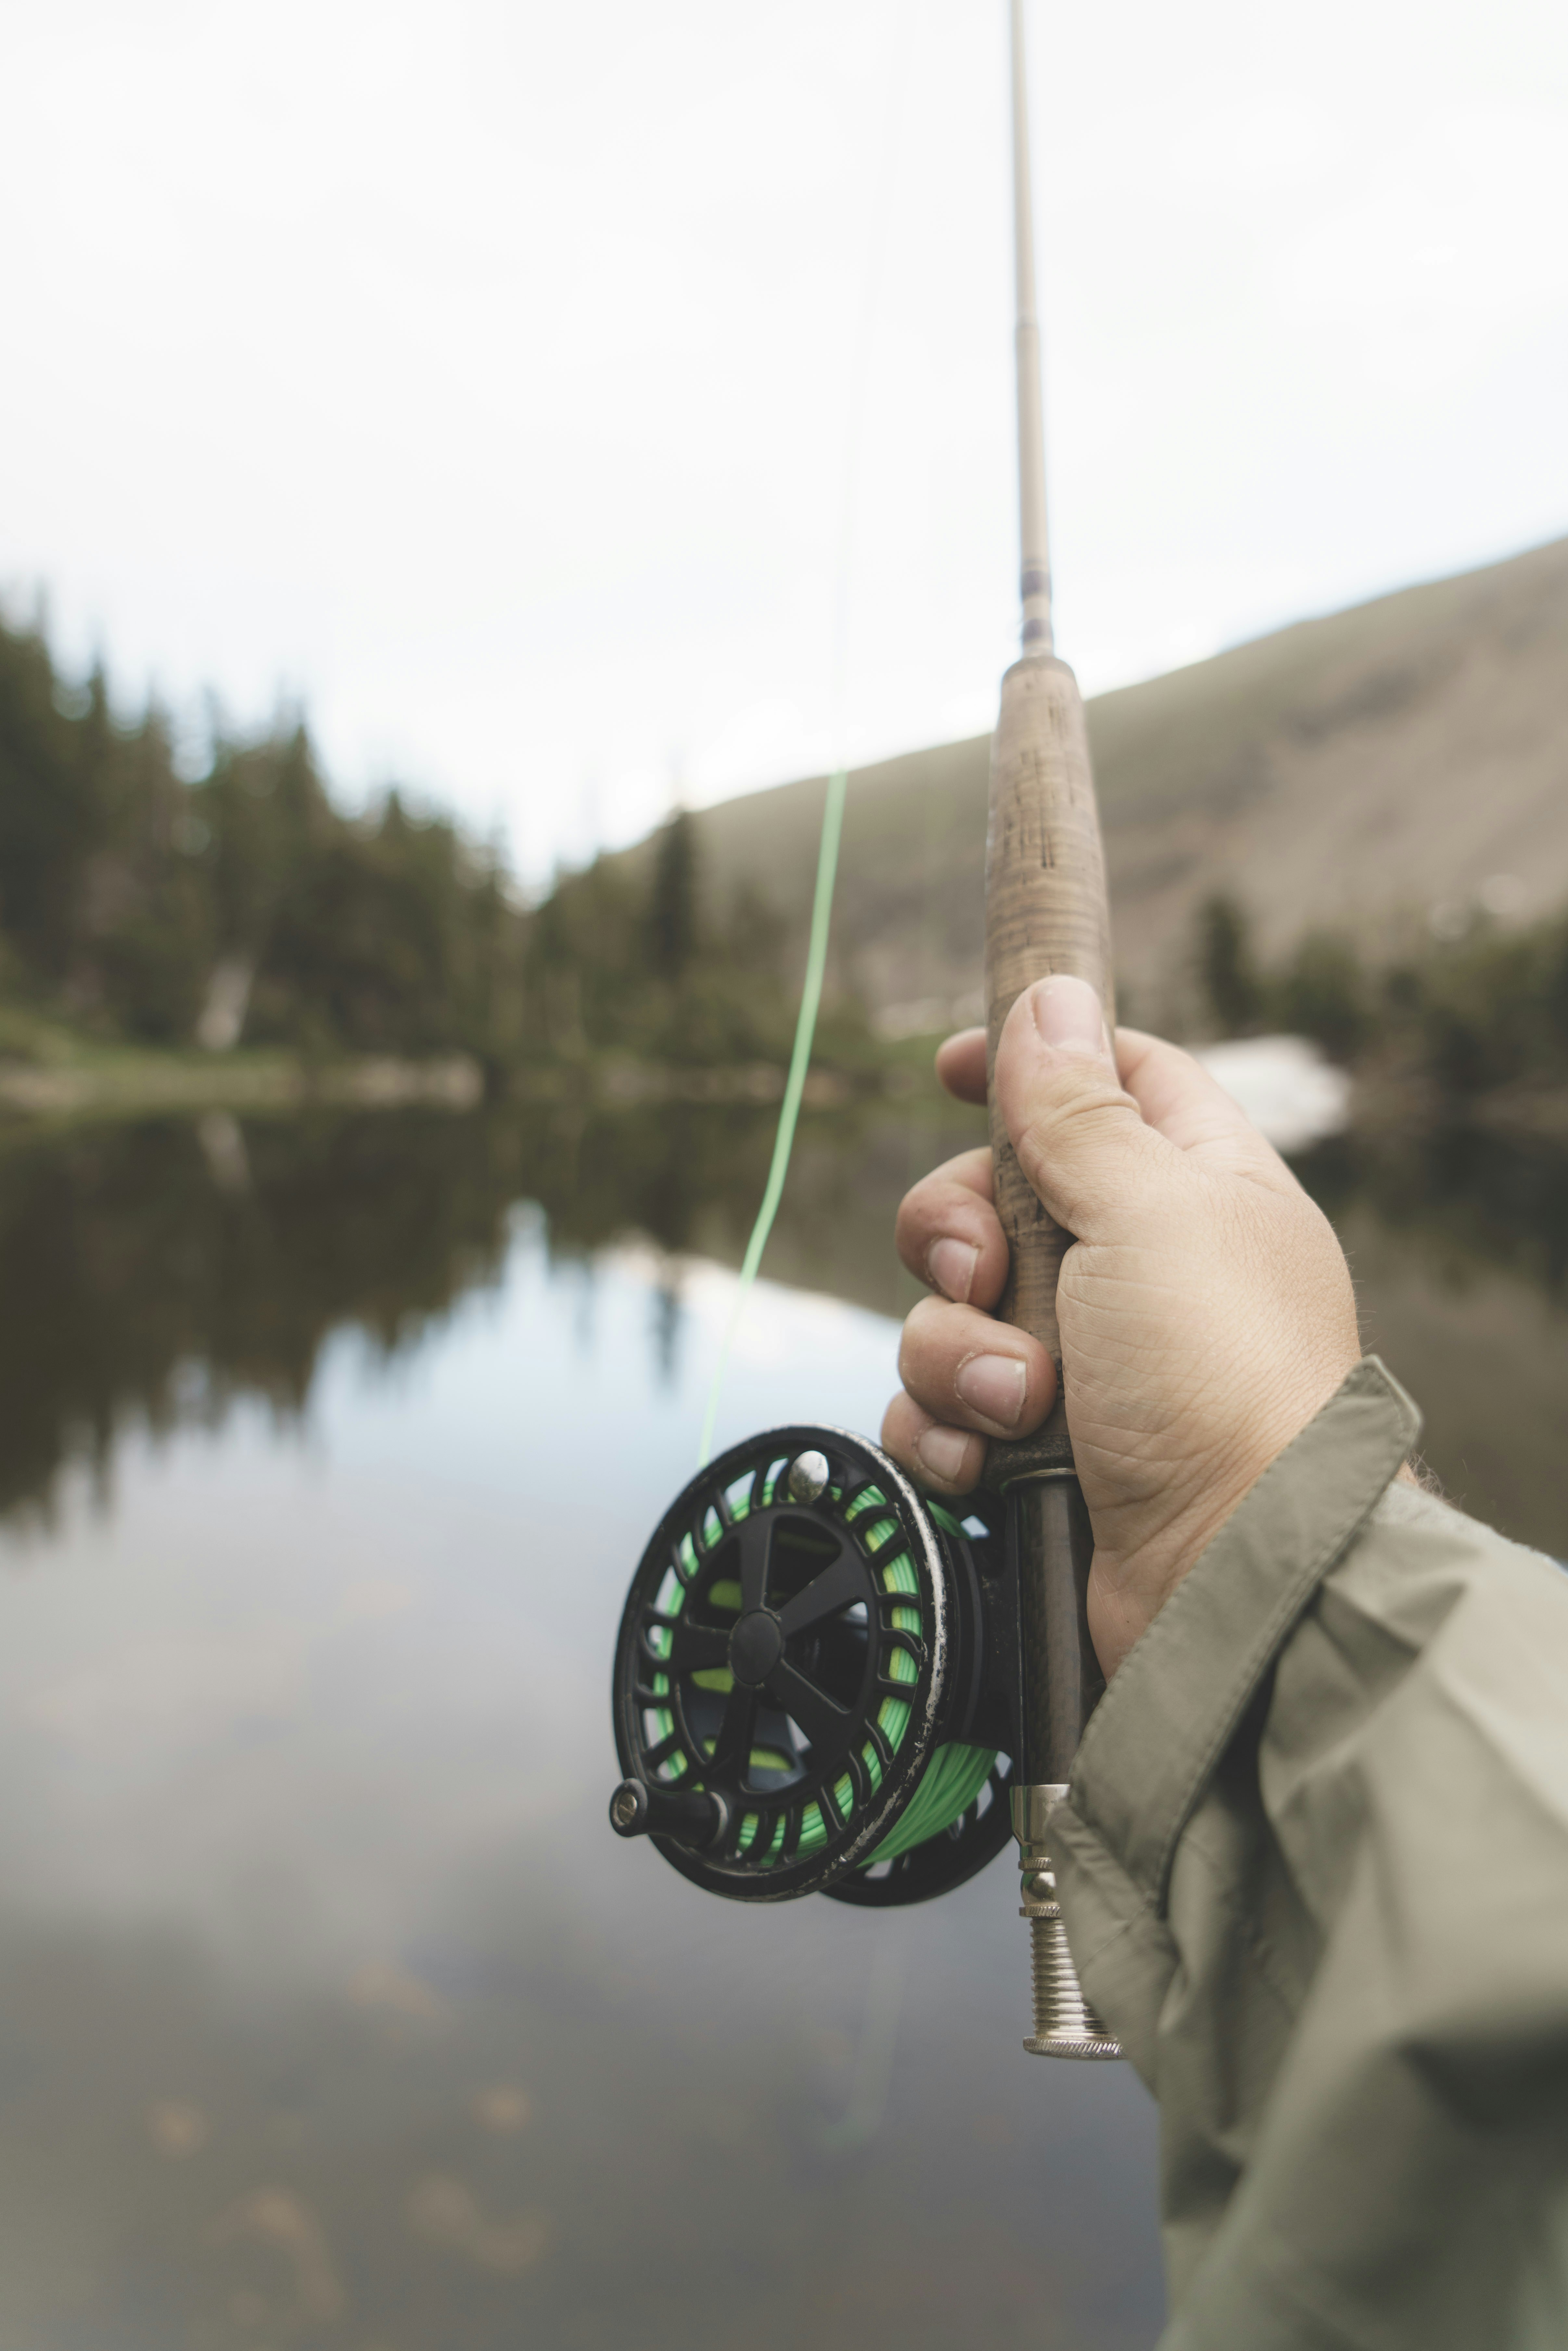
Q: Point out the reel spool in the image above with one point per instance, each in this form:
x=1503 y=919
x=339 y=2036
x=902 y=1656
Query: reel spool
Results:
x=809 y=1690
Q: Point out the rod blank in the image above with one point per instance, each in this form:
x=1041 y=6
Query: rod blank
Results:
x=1034 y=538
x=1046 y=914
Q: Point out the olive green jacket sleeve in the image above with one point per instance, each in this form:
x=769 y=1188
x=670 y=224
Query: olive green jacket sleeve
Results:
x=1314 y=1871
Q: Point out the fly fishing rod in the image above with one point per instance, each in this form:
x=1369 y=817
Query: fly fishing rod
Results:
x=1046 y=911
x=825 y=1681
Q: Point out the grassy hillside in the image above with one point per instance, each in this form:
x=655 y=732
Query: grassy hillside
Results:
x=1358 y=769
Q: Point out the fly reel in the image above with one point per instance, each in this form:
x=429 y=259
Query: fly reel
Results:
x=812 y=1689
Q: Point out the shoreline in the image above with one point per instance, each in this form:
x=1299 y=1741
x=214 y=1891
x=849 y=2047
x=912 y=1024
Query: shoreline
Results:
x=132 y=1084
x=64 y=1079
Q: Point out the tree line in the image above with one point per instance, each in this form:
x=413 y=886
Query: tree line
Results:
x=632 y=956
x=246 y=907
x=1455 y=1017
x=241 y=906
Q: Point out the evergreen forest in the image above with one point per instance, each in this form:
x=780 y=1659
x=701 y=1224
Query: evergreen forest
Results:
x=241 y=907
x=245 y=908
x=1475 y=1022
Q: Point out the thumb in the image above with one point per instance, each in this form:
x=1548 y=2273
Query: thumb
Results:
x=1080 y=1139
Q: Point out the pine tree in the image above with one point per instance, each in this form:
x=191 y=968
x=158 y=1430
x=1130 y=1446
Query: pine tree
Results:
x=673 y=907
x=1226 y=971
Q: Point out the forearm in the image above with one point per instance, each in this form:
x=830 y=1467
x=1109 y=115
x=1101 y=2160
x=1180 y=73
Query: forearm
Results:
x=1315 y=1873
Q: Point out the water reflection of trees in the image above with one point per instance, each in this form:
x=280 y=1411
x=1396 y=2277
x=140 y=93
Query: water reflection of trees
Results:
x=682 y=1176
x=152 y=1273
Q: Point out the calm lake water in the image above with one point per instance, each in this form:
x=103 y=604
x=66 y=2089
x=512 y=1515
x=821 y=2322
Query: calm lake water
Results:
x=330 y=2011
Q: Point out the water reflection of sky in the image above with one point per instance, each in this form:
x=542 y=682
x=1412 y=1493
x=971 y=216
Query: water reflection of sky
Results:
x=330 y=2009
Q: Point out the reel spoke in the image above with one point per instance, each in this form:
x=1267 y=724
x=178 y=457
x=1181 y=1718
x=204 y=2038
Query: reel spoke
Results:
x=694 y=1647
x=732 y=1749
x=756 y=1547
x=826 y=1725
x=838 y=1586
x=802 y=1649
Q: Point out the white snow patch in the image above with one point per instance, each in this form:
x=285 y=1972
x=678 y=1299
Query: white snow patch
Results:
x=1287 y=1087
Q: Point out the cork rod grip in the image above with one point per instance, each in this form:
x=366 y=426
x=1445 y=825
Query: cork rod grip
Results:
x=1045 y=912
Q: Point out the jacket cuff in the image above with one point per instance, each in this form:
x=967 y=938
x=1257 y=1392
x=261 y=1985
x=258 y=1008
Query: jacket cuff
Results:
x=1156 y=1736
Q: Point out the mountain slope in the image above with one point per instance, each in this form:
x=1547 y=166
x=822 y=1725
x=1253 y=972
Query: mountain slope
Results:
x=1358 y=769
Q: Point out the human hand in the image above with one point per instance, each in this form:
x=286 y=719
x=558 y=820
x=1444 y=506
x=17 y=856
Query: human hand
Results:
x=1206 y=1308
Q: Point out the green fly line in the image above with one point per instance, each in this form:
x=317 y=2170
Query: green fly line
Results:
x=794 y=1087
x=951 y=1780
x=838 y=782
x=955 y=1774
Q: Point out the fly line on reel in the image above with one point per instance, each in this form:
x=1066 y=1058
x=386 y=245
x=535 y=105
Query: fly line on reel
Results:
x=803 y=1700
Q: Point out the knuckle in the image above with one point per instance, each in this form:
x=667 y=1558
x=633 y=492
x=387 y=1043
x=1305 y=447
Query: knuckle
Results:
x=1085 y=1144
x=953 y=1199
x=932 y=1206
x=913 y=1211
x=895 y=1425
x=922 y=1324
x=919 y=1343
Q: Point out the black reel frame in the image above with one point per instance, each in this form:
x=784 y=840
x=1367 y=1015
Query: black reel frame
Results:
x=802 y=1633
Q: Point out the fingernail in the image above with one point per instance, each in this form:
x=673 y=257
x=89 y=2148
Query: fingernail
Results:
x=943 y=1451
x=950 y=1268
x=993 y=1386
x=1070 y=1015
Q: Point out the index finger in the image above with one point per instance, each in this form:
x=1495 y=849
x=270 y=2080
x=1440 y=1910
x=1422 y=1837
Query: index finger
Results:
x=950 y=1235
x=961 y=1065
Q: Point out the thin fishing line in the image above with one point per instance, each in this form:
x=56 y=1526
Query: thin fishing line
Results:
x=956 y=1773
x=795 y=1085
x=838 y=782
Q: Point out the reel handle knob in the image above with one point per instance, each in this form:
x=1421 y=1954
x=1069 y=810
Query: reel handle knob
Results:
x=695 y=1818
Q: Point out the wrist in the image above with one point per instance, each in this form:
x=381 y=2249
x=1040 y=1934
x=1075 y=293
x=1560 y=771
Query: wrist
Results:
x=1131 y=1580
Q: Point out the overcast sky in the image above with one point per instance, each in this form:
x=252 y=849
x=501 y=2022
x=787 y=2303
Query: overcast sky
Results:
x=487 y=375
